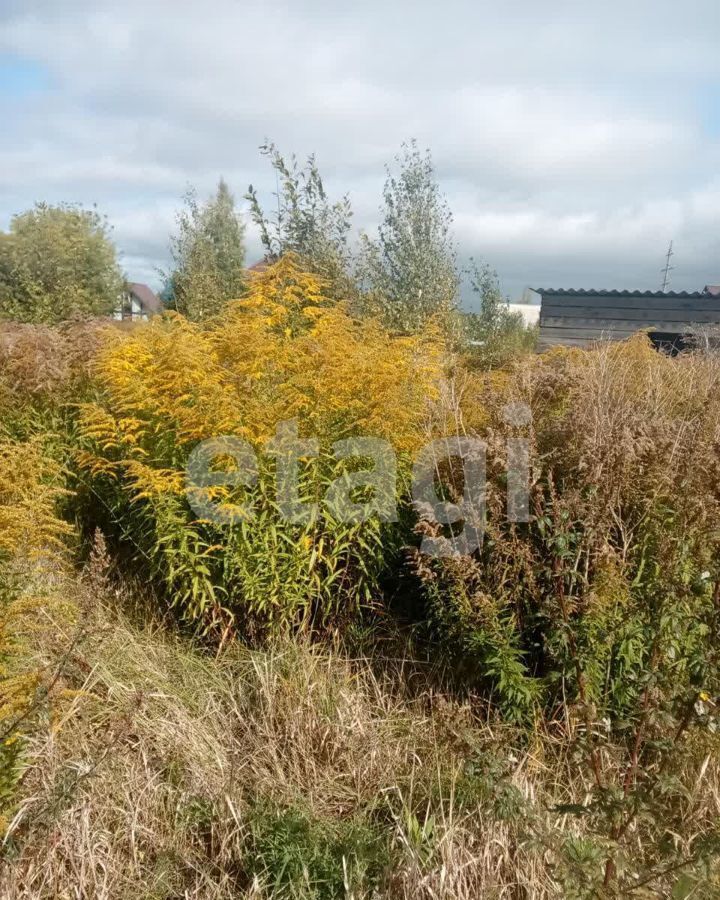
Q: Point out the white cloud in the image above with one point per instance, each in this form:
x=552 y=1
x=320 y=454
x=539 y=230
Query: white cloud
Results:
x=572 y=140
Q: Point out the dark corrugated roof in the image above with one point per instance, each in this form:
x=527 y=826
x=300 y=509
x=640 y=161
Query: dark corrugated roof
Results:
x=149 y=299
x=650 y=295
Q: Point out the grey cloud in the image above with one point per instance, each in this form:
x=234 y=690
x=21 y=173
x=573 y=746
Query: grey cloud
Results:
x=570 y=139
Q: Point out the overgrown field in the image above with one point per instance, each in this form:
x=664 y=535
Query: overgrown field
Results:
x=309 y=707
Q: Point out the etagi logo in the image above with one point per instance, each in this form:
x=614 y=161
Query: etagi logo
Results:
x=462 y=521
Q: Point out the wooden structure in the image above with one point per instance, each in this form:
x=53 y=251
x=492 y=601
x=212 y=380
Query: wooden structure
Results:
x=578 y=318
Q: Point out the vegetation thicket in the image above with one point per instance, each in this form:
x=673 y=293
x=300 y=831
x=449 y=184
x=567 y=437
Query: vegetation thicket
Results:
x=305 y=706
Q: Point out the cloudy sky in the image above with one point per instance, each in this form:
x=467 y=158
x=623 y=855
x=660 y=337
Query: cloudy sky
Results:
x=573 y=140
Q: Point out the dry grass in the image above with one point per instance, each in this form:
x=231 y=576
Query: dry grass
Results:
x=164 y=772
x=154 y=773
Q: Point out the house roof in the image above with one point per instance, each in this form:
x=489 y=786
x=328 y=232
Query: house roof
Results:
x=582 y=317
x=147 y=297
x=648 y=295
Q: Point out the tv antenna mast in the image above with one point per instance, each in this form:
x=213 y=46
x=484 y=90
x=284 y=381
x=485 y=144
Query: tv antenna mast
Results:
x=667 y=268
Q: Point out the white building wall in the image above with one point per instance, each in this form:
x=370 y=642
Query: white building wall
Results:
x=529 y=311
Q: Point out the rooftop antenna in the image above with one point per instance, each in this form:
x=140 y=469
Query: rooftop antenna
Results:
x=667 y=268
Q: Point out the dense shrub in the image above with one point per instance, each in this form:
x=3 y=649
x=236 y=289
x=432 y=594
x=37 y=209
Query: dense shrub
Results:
x=603 y=609
x=44 y=370
x=282 y=353
x=624 y=499
x=41 y=368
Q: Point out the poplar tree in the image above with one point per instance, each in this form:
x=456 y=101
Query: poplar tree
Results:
x=208 y=252
x=409 y=270
x=306 y=222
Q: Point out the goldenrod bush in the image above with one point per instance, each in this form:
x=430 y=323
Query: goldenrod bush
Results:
x=282 y=353
x=32 y=538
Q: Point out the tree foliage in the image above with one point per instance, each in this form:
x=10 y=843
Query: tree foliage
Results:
x=306 y=221
x=56 y=263
x=494 y=334
x=208 y=252
x=409 y=270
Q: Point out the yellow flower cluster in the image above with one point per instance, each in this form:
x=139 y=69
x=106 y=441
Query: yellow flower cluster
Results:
x=30 y=534
x=282 y=352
